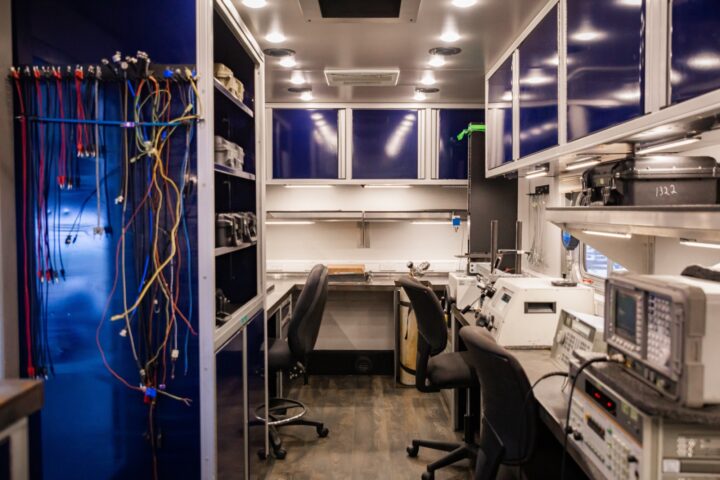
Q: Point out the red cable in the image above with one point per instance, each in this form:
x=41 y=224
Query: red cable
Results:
x=41 y=182
x=62 y=165
x=26 y=287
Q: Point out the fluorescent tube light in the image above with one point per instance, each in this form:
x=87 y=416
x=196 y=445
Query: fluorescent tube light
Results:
x=308 y=186
x=255 y=3
x=667 y=145
x=582 y=163
x=432 y=222
x=607 y=234
x=694 y=243
x=386 y=186
x=289 y=222
x=537 y=173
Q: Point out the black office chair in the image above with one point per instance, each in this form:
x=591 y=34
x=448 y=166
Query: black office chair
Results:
x=509 y=410
x=292 y=357
x=436 y=370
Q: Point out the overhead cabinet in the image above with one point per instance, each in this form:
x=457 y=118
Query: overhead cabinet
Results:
x=500 y=115
x=695 y=48
x=385 y=144
x=453 y=153
x=538 y=85
x=605 y=64
x=305 y=144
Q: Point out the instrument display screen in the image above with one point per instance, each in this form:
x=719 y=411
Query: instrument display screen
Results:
x=625 y=315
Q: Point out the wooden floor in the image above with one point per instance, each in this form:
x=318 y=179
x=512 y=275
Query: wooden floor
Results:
x=371 y=421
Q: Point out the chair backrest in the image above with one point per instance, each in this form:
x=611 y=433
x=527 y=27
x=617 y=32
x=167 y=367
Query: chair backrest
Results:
x=508 y=404
x=307 y=314
x=432 y=328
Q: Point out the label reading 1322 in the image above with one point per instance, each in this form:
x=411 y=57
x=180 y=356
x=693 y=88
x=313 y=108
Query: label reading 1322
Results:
x=665 y=190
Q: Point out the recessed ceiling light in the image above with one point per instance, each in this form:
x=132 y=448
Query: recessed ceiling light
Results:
x=288 y=62
x=297 y=78
x=464 y=3
x=255 y=3
x=286 y=56
x=428 y=79
x=450 y=36
x=275 y=37
x=436 y=61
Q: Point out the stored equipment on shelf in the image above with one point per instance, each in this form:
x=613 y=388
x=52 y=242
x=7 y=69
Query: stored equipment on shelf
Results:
x=228 y=153
x=577 y=331
x=624 y=443
x=653 y=180
x=227 y=78
x=667 y=327
x=235 y=229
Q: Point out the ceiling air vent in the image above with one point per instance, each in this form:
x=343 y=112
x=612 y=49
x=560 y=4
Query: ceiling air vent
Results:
x=360 y=11
x=386 y=77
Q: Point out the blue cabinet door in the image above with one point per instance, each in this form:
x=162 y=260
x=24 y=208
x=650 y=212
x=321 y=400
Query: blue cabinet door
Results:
x=499 y=119
x=605 y=58
x=255 y=334
x=539 y=87
x=385 y=144
x=453 y=154
x=231 y=425
x=695 y=48
x=305 y=144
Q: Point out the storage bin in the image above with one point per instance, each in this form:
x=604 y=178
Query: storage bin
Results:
x=228 y=153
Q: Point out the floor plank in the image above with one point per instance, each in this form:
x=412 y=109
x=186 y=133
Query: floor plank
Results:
x=371 y=421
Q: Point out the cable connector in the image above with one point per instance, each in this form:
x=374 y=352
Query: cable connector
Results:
x=123 y=332
x=175 y=354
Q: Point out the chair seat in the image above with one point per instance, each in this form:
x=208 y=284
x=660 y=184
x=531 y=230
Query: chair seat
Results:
x=451 y=370
x=279 y=356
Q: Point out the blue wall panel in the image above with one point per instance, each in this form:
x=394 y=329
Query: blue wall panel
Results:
x=539 y=87
x=305 y=143
x=453 y=153
x=385 y=144
x=499 y=116
x=695 y=44
x=255 y=333
x=91 y=425
x=606 y=47
x=231 y=428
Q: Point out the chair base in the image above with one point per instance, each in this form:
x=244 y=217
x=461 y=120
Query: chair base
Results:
x=278 y=417
x=456 y=452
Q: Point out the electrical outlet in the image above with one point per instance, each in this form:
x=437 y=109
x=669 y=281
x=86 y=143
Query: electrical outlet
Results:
x=474 y=268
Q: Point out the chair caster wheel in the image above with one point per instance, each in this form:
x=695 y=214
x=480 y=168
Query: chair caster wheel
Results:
x=280 y=454
x=262 y=454
x=428 y=476
x=412 y=451
x=322 y=432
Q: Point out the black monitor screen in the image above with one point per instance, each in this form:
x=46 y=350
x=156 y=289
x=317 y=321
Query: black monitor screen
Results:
x=625 y=315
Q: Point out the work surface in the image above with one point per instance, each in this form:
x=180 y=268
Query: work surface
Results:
x=284 y=284
x=19 y=399
x=552 y=398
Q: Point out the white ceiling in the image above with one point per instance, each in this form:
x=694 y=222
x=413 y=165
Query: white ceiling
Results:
x=486 y=30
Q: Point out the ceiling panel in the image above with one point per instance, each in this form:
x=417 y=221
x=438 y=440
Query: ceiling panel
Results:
x=486 y=30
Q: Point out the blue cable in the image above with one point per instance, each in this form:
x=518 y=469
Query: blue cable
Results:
x=106 y=123
x=186 y=160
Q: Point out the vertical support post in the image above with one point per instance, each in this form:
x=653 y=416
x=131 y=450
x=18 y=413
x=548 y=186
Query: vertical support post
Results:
x=518 y=246
x=9 y=336
x=493 y=244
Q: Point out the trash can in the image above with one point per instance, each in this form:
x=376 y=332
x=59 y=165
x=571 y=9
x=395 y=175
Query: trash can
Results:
x=407 y=341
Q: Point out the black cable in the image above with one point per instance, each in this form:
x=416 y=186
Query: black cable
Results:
x=582 y=367
x=529 y=395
